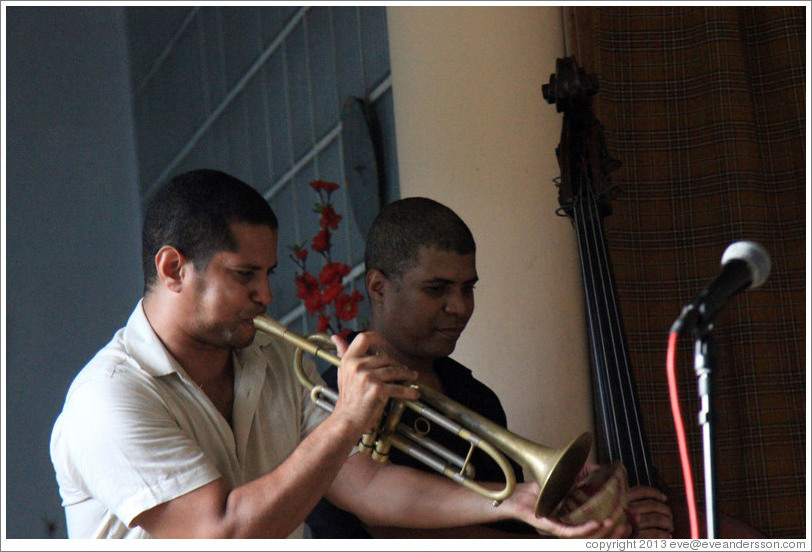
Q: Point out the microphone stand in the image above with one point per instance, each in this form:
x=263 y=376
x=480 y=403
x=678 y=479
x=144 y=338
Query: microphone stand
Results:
x=704 y=364
x=745 y=265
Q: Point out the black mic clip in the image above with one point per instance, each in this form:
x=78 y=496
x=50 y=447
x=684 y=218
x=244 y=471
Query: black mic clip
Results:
x=687 y=319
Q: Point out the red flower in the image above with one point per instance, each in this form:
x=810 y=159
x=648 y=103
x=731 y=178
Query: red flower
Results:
x=306 y=283
x=314 y=303
x=347 y=305
x=307 y=289
x=323 y=185
x=332 y=273
x=325 y=296
x=329 y=218
x=321 y=242
x=331 y=292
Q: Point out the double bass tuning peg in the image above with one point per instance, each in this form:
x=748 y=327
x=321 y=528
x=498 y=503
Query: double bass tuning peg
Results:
x=569 y=85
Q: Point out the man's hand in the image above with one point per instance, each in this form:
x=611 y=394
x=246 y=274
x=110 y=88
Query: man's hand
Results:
x=367 y=379
x=524 y=500
x=652 y=516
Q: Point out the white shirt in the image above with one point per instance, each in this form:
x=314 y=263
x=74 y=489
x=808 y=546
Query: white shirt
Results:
x=136 y=431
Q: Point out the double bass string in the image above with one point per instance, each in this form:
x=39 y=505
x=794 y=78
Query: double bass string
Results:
x=620 y=416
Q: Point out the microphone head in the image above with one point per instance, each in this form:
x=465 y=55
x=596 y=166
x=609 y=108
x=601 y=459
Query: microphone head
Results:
x=756 y=257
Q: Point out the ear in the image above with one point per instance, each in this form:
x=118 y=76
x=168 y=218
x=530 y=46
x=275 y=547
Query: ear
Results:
x=171 y=266
x=375 y=282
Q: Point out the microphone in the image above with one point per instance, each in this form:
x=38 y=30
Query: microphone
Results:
x=745 y=265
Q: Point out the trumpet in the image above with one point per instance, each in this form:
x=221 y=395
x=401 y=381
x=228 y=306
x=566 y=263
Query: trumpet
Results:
x=555 y=470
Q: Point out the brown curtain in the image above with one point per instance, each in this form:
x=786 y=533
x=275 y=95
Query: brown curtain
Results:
x=704 y=107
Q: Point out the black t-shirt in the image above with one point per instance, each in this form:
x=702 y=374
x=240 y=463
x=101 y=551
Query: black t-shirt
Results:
x=329 y=522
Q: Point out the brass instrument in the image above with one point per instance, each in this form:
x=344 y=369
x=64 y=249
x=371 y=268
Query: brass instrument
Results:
x=555 y=470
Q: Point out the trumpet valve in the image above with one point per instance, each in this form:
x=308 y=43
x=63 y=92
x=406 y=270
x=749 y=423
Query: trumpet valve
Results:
x=381 y=452
x=367 y=443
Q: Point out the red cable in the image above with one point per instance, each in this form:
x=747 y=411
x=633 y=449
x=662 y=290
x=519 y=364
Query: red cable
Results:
x=680 y=429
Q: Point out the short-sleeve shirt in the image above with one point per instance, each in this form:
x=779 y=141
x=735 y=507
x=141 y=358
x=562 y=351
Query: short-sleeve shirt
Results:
x=136 y=431
x=328 y=521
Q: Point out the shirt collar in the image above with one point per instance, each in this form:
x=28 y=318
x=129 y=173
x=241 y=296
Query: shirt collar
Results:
x=146 y=348
x=149 y=352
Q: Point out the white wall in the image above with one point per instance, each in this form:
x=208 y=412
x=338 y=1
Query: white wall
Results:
x=73 y=268
x=475 y=133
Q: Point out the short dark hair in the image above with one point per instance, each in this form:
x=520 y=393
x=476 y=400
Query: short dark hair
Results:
x=193 y=213
x=402 y=227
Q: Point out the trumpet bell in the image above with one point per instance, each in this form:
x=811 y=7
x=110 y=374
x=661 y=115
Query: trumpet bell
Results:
x=555 y=470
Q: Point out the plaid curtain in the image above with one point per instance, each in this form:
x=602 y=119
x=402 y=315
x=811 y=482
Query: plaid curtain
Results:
x=704 y=107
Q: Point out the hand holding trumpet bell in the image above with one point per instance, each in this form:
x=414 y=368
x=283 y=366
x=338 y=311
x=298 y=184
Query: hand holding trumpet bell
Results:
x=609 y=527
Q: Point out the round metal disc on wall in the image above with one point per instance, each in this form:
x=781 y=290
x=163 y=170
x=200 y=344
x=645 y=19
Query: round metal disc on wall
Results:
x=360 y=164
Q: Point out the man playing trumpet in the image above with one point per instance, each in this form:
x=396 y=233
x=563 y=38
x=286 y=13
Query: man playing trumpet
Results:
x=190 y=424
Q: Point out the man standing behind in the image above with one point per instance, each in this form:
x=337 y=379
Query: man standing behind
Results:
x=420 y=277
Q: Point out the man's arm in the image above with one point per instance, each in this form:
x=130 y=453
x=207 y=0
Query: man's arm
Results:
x=271 y=506
x=469 y=532
x=391 y=495
x=276 y=503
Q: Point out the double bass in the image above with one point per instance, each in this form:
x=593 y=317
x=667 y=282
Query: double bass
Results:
x=585 y=192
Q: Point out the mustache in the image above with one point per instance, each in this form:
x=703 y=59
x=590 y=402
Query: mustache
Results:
x=251 y=314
